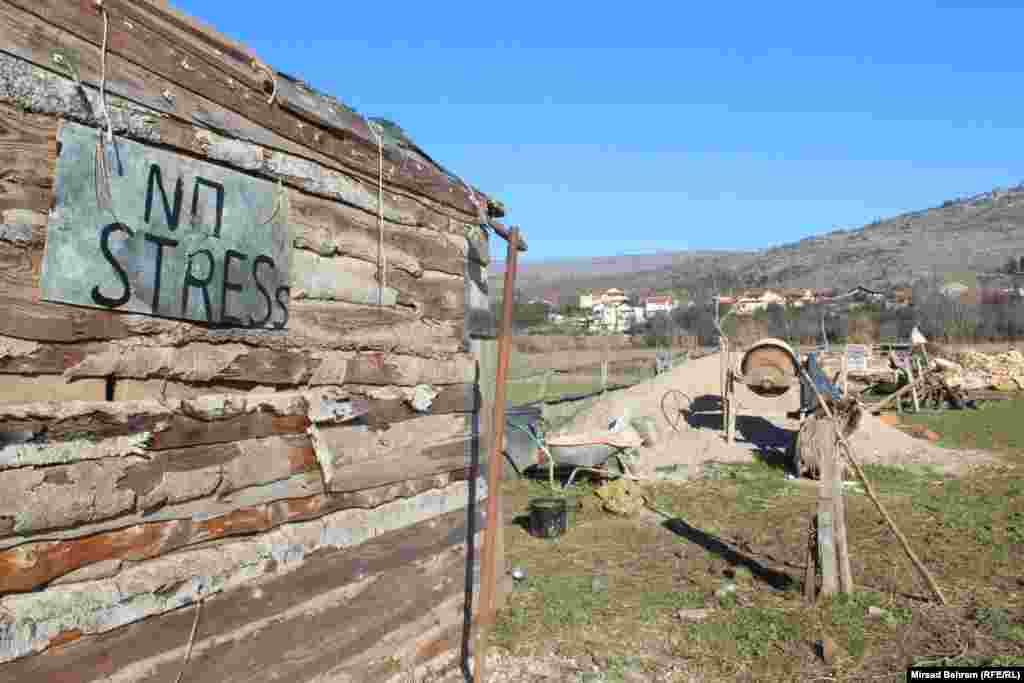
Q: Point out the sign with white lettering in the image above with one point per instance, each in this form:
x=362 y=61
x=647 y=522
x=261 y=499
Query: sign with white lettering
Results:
x=857 y=357
x=166 y=235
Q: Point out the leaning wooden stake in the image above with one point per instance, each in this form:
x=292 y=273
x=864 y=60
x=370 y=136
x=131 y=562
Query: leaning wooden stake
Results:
x=928 y=578
x=488 y=575
x=731 y=402
x=724 y=362
x=913 y=384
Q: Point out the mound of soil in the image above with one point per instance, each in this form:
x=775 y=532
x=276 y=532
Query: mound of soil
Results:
x=762 y=425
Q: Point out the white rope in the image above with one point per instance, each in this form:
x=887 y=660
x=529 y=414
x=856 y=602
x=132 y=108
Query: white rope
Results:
x=382 y=270
x=103 y=71
x=104 y=198
x=272 y=77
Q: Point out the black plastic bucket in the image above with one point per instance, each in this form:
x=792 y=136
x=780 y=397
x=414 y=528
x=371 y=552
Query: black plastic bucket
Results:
x=548 y=517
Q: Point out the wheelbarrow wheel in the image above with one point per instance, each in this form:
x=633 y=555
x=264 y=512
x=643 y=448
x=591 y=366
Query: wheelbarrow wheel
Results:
x=675 y=407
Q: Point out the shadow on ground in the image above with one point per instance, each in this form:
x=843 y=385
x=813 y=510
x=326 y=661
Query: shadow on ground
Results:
x=771 y=442
x=776 y=579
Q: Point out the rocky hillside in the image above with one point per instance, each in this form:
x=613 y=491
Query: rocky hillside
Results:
x=972 y=235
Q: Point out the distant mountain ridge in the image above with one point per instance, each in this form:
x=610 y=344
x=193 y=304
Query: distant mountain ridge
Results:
x=976 y=234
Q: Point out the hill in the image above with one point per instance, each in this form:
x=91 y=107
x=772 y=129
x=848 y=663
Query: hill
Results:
x=974 y=235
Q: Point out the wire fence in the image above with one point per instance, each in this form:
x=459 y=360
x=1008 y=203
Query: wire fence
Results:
x=562 y=375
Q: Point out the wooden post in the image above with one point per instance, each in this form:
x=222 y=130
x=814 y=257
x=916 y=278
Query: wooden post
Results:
x=869 y=490
x=723 y=352
x=604 y=376
x=839 y=525
x=731 y=390
x=826 y=529
x=913 y=391
x=488 y=574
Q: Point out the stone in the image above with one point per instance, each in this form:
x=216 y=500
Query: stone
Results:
x=585 y=663
x=877 y=612
x=726 y=590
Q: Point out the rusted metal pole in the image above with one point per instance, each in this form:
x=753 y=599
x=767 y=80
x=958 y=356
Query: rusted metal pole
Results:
x=488 y=573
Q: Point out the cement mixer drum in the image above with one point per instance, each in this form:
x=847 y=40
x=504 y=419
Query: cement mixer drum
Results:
x=770 y=367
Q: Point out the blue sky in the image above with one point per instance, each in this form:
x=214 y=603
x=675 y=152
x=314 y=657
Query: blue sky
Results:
x=639 y=127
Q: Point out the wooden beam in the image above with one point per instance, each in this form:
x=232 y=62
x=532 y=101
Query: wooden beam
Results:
x=354 y=457
x=39 y=559
x=839 y=526
x=285 y=604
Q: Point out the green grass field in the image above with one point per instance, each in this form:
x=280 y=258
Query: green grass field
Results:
x=996 y=426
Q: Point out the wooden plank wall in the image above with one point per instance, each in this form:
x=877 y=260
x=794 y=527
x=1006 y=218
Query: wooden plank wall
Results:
x=313 y=489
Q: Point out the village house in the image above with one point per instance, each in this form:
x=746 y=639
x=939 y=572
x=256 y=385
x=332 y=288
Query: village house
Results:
x=954 y=289
x=860 y=293
x=757 y=299
x=798 y=297
x=859 y=296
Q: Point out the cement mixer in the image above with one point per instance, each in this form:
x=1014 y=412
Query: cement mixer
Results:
x=770 y=367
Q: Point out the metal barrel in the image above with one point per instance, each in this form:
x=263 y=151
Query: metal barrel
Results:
x=770 y=367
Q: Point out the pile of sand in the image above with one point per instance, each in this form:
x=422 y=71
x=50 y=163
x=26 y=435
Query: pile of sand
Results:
x=761 y=426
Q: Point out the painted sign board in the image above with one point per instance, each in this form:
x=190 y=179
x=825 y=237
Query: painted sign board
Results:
x=857 y=357
x=902 y=358
x=173 y=236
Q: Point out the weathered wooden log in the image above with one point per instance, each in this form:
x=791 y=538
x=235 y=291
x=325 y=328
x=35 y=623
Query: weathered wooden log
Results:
x=21 y=389
x=383 y=404
x=183 y=70
x=324 y=563
x=29 y=87
x=434 y=295
x=208 y=419
x=203 y=362
x=354 y=458
x=47 y=556
x=331 y=228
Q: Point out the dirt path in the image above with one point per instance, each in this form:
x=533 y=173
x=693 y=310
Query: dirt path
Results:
x=762 y=426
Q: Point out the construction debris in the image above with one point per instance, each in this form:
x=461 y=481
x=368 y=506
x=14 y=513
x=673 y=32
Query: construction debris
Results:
x=972 y=376
x=1000 y=371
